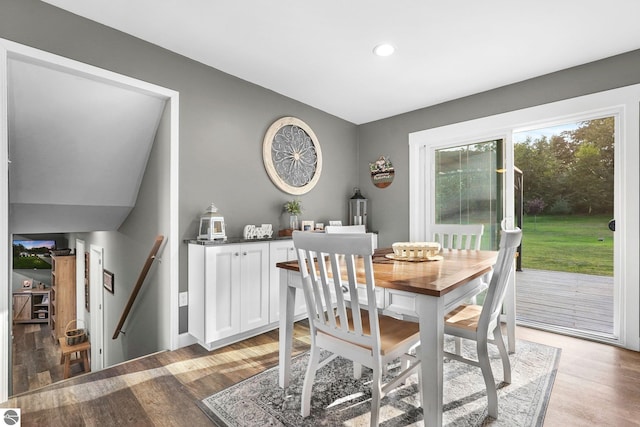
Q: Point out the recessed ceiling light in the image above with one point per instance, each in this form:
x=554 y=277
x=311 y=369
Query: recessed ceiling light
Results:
x=384 y=49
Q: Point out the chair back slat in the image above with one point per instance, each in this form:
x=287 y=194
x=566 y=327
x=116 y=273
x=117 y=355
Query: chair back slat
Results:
x=345 y=229
x=329 y=268
x=502 y=270
x=457 y=236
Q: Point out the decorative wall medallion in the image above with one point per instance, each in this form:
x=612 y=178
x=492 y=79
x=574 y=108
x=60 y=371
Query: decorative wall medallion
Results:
x=292 y=156
x=382 y=172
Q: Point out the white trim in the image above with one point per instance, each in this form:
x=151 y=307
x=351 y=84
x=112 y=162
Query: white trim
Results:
x=9 y=49
x=174 y=224
x=621 y=102
x=5 y=281
x=80 y=269
x=96 y=295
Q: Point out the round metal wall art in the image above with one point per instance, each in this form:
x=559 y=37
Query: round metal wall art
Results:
x=292 y=155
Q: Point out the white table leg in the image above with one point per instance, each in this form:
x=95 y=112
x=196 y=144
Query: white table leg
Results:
x=431 y=318
x=287 y=303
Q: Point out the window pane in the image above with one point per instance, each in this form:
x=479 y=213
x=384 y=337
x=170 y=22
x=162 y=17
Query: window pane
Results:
x=469 y=187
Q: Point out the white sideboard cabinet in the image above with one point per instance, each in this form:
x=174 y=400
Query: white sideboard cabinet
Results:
x=229 y=292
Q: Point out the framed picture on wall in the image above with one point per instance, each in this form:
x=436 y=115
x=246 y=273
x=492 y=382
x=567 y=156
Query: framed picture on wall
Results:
x=108 y=280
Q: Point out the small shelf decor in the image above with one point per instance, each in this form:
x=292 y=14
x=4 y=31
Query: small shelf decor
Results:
x=293 y=208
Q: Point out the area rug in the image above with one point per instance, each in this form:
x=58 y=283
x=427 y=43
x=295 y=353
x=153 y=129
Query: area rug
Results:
x=340 y=400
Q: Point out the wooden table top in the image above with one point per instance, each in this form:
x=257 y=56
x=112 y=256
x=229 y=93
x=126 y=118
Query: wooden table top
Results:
x=435 y=278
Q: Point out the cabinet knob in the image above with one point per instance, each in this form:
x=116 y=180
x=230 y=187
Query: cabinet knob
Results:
x=237 y=254
x=244 y=253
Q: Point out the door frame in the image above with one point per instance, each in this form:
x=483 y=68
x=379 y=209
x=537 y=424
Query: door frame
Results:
x=10 y=49
x=622 y=103
x=80 y=269
x=96 y=315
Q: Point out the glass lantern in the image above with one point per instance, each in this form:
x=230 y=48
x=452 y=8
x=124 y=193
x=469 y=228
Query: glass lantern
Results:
x=358 y=209
x=211 y=225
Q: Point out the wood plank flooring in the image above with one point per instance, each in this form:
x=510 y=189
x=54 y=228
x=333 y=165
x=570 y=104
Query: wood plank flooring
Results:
x=596 y=384
x=36 y=357
x=568 y=300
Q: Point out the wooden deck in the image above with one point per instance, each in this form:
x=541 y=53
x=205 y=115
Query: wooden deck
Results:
x=566 y=300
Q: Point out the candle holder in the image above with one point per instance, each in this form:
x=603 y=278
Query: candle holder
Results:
x=358 y=209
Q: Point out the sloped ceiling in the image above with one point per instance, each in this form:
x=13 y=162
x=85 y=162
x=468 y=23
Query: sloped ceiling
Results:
x=78 y=148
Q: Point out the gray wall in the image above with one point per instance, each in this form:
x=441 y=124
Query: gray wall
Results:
x=222 y=123
x=390 y=137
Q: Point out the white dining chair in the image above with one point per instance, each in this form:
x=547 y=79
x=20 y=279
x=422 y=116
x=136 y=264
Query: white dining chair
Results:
x=461 y=236
x=482 y=323
x=457 y=236
x=344 y=324
x=332 y=229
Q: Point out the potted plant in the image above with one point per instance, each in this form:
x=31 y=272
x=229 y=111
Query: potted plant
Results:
x=293 y=208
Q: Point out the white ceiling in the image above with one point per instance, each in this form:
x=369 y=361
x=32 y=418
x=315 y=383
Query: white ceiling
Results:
x=320 y=52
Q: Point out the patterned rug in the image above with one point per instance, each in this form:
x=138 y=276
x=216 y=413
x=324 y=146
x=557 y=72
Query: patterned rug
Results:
x=340 y=400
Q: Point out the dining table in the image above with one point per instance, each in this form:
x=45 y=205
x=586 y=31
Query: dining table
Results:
x=423 y=291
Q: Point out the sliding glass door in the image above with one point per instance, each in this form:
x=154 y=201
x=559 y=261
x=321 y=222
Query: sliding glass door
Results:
x=469 y=184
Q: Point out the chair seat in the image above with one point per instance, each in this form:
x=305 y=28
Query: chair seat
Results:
x=465 y=316
x=394 y=333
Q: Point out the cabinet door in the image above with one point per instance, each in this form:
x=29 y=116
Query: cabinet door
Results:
x=279 y=251
x=254 y=285
x=282 y=251
x=222 y=292
x=21 y=307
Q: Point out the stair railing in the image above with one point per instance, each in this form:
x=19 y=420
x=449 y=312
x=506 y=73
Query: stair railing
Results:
x=136 y=289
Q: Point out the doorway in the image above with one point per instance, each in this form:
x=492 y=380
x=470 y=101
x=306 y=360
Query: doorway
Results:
x=624 y=105
x=567 y=262
x=169 y=189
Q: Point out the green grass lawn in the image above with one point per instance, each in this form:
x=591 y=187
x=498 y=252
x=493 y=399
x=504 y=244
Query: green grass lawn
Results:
x=579 y=244
x=30 y=262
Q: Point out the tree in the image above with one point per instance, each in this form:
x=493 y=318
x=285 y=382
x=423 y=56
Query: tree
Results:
x=535 y=207
x=572 y=170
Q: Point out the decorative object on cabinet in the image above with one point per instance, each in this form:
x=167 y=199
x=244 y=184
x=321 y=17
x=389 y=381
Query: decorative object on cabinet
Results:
x=338 y=223
x=292 y=156
x=108 y=280
x=382 y=172
x=62 y=297
x=211 y=225
x=358 y=209
x=252 y=232
x=27 y=284
x=307 y=226
x=293 y=208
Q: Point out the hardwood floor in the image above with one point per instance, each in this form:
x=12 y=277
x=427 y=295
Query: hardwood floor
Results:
x=596 y=384
x=36 y=357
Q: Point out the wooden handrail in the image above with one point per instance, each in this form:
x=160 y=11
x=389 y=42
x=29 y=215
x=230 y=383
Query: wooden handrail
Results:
x=136 y=289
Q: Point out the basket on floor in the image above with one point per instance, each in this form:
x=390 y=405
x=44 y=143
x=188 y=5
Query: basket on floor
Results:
x=77 y=335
